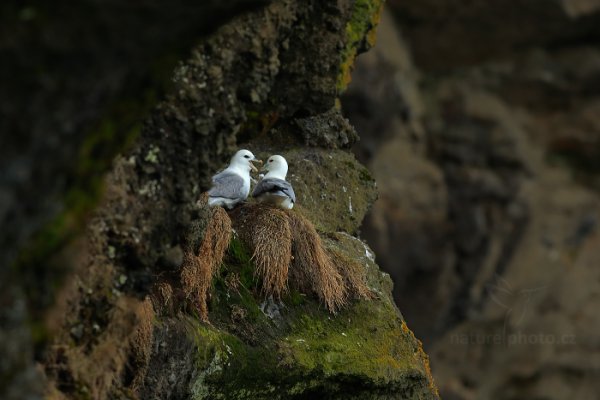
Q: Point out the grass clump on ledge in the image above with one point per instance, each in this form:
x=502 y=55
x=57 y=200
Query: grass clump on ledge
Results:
x=353 y=273
x=288 y=251
x=312 y=267
x=268 y=235
x=200 y=265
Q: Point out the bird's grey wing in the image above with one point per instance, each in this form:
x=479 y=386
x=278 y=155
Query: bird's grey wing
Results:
x=227 y=185
x=292 y=193
x=274 y=186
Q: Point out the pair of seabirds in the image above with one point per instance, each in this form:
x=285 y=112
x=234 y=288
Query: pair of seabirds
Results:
x=232 y=185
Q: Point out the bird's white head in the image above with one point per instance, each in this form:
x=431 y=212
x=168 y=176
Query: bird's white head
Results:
x=243 y=160
x=276 y=167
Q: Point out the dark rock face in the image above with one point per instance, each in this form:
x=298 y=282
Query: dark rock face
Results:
x=268 y=80
x=337 y=132
x=461 y=34
x=75 y=81
x=481 y=138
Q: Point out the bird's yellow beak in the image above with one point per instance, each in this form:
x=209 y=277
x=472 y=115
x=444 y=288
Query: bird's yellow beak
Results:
x=256 y=160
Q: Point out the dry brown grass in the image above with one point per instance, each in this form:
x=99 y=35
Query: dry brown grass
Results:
x=125 y=345
x=162 y=296
x=141 y=342
x=287 y=248
x=354 y=274
x=202 y=200
x=312 y=267
x=266 y=231
x=199 y=266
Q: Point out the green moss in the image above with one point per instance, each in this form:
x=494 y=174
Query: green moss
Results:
x=237 y=263
x=238 y=252
x=333 y=190
x=295 y=298
x=364 y=352
x=227 y=367
x=360 y=36
x=365 y=175
x=244 y=299
x=362 y=340
x=240 y=260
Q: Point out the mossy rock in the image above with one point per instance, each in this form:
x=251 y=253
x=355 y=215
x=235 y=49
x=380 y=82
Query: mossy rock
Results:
x=360 y=36
x=333 y=190
x=260 y=348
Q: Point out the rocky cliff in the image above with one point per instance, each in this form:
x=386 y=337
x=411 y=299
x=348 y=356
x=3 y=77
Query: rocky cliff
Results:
x=94 y=305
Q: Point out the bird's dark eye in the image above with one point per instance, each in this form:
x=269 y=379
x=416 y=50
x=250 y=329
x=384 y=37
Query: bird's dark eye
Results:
x=270 y=160
x=246 y=156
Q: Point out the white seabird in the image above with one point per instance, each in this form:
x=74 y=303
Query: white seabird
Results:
x=232 y=185
x=273 y=188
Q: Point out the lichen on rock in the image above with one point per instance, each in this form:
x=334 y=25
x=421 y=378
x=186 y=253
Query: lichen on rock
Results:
x=327 y=130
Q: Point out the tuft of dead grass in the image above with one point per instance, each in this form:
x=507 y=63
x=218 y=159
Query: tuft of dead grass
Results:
x=288 y=249
x=202 y=200
x=312 y=267
x=122 y=350
x=200 y=265
x=266 y=231
x=141 y=342
x=353 y=273
x=162 y=296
